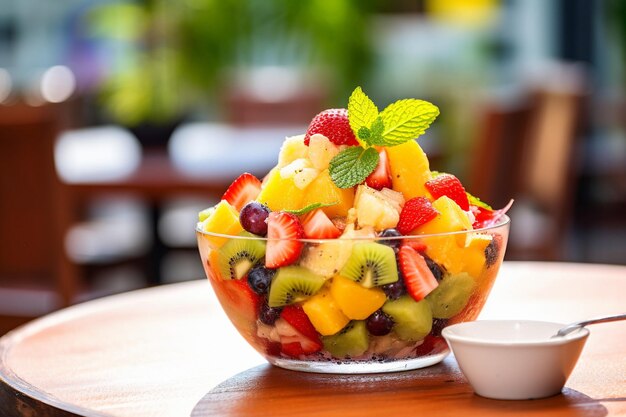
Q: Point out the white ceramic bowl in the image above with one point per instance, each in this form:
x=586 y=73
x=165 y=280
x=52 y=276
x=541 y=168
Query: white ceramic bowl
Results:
x=514 y=360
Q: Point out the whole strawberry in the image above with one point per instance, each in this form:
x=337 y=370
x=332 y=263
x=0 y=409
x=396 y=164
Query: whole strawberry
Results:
x=332 y=123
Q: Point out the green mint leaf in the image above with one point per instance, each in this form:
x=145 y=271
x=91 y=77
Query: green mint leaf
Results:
x=377 y=130
x=407 y=119
x=361 y=113
x=310 y=207
x=475 y=201
x=364 y=133
x=352 y=166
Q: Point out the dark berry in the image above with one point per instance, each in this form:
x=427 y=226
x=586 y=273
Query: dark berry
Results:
x=438 y=325
x=269 y=315
x=253 y=218
x=491 y=251
x=393 y=243
x=437 y=270
x=260 y=278
x=379 y=324
x=396 y=289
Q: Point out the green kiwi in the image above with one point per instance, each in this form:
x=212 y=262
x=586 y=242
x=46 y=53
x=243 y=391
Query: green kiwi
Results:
x=371 y=264
x=293 y=284
x=238 y=256
x=413 y=320
x=352 y=340
x=452 y=294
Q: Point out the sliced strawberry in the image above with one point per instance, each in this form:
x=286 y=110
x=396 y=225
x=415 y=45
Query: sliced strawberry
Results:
x=317 y=225
x=415 y=212
x=295 y=315
x=450 y=186
x=283 y=245
x=293 y=349
x=243 y=190
x=483 y=217
x=418 y=245
x=381 y=177
x=418 y=278
x=334 y=124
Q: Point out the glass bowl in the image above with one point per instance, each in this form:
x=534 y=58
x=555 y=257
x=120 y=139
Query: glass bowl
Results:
x=331 y=323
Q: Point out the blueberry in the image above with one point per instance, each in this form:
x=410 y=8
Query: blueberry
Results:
x=438 y=325
x=379 y=324
x=437 y=270
x=253 y=218
x=393 y=243
x=396 y=289
x=491 y=252
x=260 y=278
x=269 y=315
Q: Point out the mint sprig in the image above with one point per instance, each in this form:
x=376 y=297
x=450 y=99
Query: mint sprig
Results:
x=407 y=119
x=310 y=207
x=352 y=166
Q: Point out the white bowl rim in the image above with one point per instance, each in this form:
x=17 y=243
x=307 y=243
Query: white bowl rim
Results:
x=449 y=335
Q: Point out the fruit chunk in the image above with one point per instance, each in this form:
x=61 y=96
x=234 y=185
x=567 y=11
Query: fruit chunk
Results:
x=354 y=300
x=413 y=320
x=324 y=313
x=450 y=186
x=418 y=278
x=296 y=316
x=371 y=264
x=260 y=279
x=292 y=148
x=450 y=218
x=283 y=247
x=238 y=256
x=280 y=194
x=240 y=304
x=334 y=124
x=317 y=225
x=296 y=333
x=352 y=341
x=379 y=323
x=451 y=296
x=224 y=219
x=300 y=171
x=293 y=284
x=323 y=190
x=321 y=151
x=243 y=190
x=374 y=208
x=409 y=169
x=381 y=177
x=415 y=212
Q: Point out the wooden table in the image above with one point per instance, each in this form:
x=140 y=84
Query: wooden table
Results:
x=170 y=351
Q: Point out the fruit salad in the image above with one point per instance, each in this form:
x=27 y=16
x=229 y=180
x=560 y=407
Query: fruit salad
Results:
x=351 y=250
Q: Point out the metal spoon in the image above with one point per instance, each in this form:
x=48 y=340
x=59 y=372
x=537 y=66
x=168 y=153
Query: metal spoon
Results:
x=579 y=325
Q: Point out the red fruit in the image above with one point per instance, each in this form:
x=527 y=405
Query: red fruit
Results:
x=418 y=245
x=332 y=123
x=283 y=247
x=430 y=345
x=483 y=217
x=295 y=315
x=293 y=349
x=381 y=177
x=418 y=278
x=317 y=225
x=415 y=212
x=243 y=190
x=450 y=186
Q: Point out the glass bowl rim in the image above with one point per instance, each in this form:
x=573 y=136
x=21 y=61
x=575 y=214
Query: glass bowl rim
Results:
x=503 y=222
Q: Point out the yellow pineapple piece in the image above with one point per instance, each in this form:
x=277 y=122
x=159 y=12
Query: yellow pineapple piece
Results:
x=409 y=169
x=292 y=148
x=324 y=313
x=356 y=301
x=323 y=190
x=223 y=219
x=375 y=208
x=321 y=151
x=450 y=218
x=280 y=193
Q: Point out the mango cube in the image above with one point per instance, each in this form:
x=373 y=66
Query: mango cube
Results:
x=324 y=313
x=356 y=301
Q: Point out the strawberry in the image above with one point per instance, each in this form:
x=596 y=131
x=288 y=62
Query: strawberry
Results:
x=317 y=225
x=418 y=278
x=283 y=247
x=450 y=186
x=415 y=212
x=381 y=177
x=332 y=123
x=243 y=190
x=295 y=315
x=483 y=217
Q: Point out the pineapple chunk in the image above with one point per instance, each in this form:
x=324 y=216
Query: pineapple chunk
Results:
x=321 y=151
x=223 y=219
x=409 y=169
x=323 y=190
x=375 y=209
x=280 y=194
x=293 y=148
x=324 y=313
x=301 y=171
x=356 y=301
x=450 y=218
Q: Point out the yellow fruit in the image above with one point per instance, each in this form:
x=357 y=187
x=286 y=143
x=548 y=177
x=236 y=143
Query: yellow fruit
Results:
x=356 y=301
x=409 y=169
x=374 y=208
x=471 y=259
x=321 y=151
x=323 y=190
x=280 y=193
x=293 y=148
x=224 y=219
x=324 y=313
x=450 y=218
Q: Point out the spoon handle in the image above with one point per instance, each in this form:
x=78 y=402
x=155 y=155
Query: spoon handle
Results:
x=570 y=328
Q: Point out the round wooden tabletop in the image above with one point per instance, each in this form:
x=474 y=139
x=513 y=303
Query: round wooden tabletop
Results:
x=170 y=351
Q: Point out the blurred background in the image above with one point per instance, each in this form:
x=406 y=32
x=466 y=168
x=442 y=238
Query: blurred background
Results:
x=120 y=120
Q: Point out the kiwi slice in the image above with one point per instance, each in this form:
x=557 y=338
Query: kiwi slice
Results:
x=238 y=256
x=352 y=340
x=293 y=284
x=371 y=264
x=413 y=319
x=452 y=294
